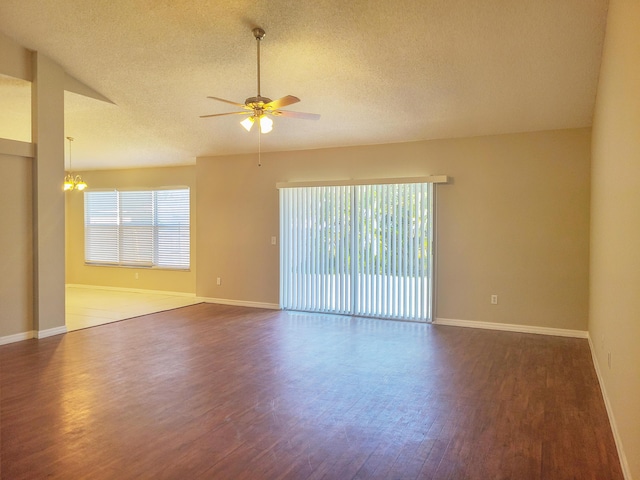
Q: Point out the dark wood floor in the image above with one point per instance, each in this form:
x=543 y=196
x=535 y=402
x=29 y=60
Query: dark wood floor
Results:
x=209 y=391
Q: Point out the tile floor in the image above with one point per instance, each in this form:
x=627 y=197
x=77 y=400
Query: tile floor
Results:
x=89 y=307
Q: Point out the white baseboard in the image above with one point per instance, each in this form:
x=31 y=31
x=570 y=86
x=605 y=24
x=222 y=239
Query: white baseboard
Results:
x=131 y=290
x=624 y=464
x=240 y=303
x=50 y=332
x=508 y=327
x=18 y=337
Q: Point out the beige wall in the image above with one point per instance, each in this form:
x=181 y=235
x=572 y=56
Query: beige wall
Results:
x=45 y=207
x=16 y=60
x=16 y=246
x=47 y=126
x=148 y=279
x=614 y=322
x=514 y=222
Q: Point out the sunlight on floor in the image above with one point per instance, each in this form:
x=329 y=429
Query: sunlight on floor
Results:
x=92 y=306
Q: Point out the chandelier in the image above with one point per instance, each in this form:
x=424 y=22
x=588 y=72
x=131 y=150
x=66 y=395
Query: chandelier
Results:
x=72 y=182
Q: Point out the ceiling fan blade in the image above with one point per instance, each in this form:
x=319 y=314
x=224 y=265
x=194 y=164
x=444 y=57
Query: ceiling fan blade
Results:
x=223 y=114
x=301 y=115
x=281 y=102
x=241 y=105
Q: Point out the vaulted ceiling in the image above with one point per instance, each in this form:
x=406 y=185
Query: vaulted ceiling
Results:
x=377 y=71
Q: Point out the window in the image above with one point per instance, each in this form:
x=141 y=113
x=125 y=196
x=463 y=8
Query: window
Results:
x=146 y=228
x=358 y=249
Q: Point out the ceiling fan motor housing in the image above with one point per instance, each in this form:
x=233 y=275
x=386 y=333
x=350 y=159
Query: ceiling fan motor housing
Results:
x=257 y=102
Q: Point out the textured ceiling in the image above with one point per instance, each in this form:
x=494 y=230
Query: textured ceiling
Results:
x=378 y=71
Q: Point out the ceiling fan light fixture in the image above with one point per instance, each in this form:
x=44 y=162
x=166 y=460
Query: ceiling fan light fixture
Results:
x=266 y=124
x=247 y=123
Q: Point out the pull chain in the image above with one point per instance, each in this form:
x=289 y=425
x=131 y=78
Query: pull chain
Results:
x=259 y=148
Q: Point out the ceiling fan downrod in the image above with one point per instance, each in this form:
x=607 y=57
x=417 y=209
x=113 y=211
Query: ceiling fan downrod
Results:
x=259 y=33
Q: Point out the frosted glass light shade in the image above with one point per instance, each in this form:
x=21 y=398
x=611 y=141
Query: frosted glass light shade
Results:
x=266 y=124
x=247 y=123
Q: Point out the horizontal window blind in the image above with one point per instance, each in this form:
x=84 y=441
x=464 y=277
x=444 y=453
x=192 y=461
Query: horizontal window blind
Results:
x=138 y=228
x=101 y=230
x=172 y=228
x=361 y=249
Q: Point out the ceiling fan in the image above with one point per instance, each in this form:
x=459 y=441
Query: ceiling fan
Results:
x=261 y=108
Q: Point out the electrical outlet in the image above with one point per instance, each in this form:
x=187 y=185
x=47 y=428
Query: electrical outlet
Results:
x=218 y=282
x=494 y=299
x=137 y=276
x=273 y=240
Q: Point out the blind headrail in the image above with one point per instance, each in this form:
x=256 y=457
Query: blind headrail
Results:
x=365 y=181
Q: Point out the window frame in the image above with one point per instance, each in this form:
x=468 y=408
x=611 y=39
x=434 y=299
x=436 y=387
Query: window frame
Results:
x=156 y=210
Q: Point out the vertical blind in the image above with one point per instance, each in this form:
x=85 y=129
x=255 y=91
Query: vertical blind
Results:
x=361 y=249
x=138 y=228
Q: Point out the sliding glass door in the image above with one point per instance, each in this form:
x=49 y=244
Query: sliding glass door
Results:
x=361 y=250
